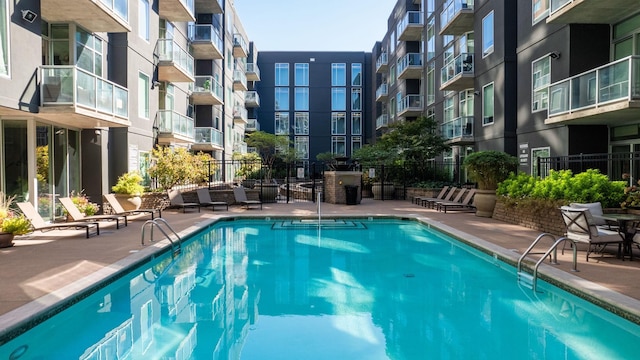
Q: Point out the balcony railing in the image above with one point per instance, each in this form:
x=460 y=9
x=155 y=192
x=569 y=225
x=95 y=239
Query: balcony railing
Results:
x=410 y=26
x=410 y=103
x=252 y=125
x=240 y=48
x=240 y=147
x=410 y=66
x=382 y=91
x=253 y=72
x=207 y=90
x=70 y=85
x=457 y=17
x=382 y=62
x=461 y=127
x=173 y=123
x=240 y=114
x=172 y=53
x=251 y=98
x=455 y=71
x=209 y=136
x=206 y=41
x=239 y=80
x=382 y=121
x=613 y=82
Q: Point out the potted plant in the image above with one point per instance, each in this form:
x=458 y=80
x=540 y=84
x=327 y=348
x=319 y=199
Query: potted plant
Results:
x=128 y=190
x=11 y=223
x=488 y=169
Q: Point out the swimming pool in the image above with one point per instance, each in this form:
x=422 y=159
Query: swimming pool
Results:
x=353 y=289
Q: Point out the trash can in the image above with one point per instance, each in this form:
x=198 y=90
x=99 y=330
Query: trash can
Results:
x=351 y=192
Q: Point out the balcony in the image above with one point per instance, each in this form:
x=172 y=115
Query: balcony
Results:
x=207 y=91
x=205 y=42
x=382 y=93
x=240 y=147
x=607 y=95
x=76 y=98
x=174 y=63
x=93 y=15
x=251 y=99
x=252 y=125
x=240 y=115
x=240 y=48
x=209 y=7
x=253 y=72
x=410 y=106
x=382 y=121
x=382 y=63
x=410 y=66
x=174 y=128
x=458 y=131
x=177 y=10
x=457 y=17
x=458 y=74
x=410 y=27
x=208 y=139
x=590 y=11
x=239 y=80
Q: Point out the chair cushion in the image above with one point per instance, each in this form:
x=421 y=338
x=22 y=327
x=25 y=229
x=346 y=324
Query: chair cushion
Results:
x=595 y=209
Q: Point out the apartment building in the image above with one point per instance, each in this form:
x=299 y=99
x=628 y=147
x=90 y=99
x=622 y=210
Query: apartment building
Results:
x=88 y=88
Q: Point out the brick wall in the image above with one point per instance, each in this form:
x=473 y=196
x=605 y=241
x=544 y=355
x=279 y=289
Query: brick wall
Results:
x=543 y=218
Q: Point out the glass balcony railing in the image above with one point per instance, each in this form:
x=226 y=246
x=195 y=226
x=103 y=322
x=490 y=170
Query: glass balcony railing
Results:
x=458 y=128
x=238 y=41
x=409 y=60
x=452 y=8
x=207 y=83
x=557 y=5
x=209 y=136
x=205 y=33
x=240 y=113
x=410 y=18
x=119 y=7
x=410 y=103
x=616 y=81
x=170 y=122
x=252 y=97
x=461 y=64
x=252 y=125
x=70 y=85
x=240 y=77
x=240 y=147
x=382 y=60
x=253 y=69
x=168 y=50
x=382 y=121
x=383 y=90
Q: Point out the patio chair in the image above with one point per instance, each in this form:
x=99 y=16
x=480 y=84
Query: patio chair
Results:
x=38 y=223
x=418 y=199
x=463 y=205
x=175 y=197
x=204 y=197
x=119 y=210
x=456 y=199
x=241 y=198
x=76 y=215
x=581 y=228
x=430 y=202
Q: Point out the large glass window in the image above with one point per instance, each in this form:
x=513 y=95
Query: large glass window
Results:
x=16 y=177
x=301 y=99
x=487 y=34
x=466 y=103
x=282 y=123
x=338 y=74
x=392 y=74
x=356 y=123
x=356 y=143
x=338 y=99
x=143 y=95
x=4 y=38
x=302 y=74
x=281 y=99
x=301 y=123
x=143 y=19
x=431 y=83
x=539 y=10
x=540 y=79
x=89 y=52
x=487 y=104
x=431 y=39
x=356 y=74
x=282 y=74
x=339 y=145
x=356 y=99
x=338 y=123
x=301 y=145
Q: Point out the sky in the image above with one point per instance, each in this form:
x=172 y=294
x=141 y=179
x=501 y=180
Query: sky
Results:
x=317 y=25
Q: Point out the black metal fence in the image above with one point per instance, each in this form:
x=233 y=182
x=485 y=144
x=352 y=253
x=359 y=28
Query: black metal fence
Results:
x=618 y=166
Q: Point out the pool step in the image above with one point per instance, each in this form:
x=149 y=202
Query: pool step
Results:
x=525 y=279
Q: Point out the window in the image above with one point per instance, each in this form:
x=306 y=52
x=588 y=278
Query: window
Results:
x=487 y=104
x=282 y=74
x=338 y=74
x=431 y=39
x=338 y=99
x=302 y=75
x=487 y=34
x=356 y=74
x=466 y=103
x=301 y=123
x=301 y=145
x=356 y=143
x=449 y=113
x=539 y=10
x=89 y=52
x=338 y=123
x=356 y=124
x=301 y=99
x=281 y=99
x=392 y=74
x=356 y=99
x=431 y=83
x=143 y=19
x=339 y=145
x=542 y=152
x=4 y=38
x=540 y=80
x=282 y=123
x=143 y=95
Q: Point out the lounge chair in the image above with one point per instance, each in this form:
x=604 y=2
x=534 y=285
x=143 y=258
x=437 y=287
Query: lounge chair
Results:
x=204 y=197
x=456 y=199
x=464 y=204
x=77 y=215
x=175 y=197
x=38 y=223
x=241 y=198
x=431 y=202
x=581 y=228
x=119 y=210
x=418 y=199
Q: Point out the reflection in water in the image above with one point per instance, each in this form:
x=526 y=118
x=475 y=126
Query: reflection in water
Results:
x=385 y=290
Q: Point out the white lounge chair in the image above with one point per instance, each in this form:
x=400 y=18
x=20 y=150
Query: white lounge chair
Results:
x=38 y=223
x=77 y=215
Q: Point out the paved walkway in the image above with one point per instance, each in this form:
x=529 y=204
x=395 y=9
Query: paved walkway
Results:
x=43 y=268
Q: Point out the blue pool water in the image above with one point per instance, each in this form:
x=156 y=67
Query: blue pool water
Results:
x=353 y=289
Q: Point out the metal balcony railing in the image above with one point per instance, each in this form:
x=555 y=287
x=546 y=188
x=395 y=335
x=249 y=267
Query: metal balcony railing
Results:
x=458 y=128
x=171 y=122
x=452 y=8
x=209 y=136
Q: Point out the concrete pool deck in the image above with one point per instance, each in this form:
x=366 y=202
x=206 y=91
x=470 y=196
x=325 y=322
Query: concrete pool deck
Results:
x=43 y=268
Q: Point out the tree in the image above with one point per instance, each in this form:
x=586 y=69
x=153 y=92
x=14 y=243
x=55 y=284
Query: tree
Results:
x=270 y=147
x=178 y=166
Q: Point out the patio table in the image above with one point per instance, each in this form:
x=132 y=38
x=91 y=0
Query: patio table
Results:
x=627 y=224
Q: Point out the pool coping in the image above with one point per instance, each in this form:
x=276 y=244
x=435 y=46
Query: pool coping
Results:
x=23 y=318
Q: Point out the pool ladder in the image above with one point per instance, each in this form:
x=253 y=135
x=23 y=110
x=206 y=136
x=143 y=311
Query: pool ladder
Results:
x=552 y=253
x=175 y=248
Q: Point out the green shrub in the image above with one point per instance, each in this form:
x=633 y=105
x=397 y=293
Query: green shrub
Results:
x=129 y=183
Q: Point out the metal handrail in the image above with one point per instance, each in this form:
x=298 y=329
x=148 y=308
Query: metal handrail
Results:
x=157 y=222
x=554 y=257
x=533 y=244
